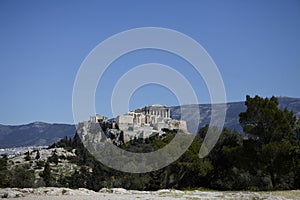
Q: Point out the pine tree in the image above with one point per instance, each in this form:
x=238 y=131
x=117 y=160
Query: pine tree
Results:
x=27 y=157
x=38 y=156
x=265 y=120
x=47 y=176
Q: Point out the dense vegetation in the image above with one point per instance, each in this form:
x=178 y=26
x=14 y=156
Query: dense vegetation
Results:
x=267 y=159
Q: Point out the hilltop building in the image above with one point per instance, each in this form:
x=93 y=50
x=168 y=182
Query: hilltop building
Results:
x=148 y=120
x=139 y=123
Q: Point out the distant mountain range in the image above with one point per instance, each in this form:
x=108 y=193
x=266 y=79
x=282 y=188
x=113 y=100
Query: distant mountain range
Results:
x=34 y=134
x=39 y=133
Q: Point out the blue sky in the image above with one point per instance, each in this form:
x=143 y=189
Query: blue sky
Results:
x=255 y=44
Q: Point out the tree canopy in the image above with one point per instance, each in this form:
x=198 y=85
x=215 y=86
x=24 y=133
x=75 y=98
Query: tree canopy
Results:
x=265 y=120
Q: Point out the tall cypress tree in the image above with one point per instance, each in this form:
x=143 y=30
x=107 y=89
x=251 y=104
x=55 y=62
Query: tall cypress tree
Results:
x=47 y=176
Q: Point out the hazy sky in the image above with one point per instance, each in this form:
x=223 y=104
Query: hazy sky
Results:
x=255 y=44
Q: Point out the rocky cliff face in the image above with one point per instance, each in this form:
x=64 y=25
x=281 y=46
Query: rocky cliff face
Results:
x=95 y=133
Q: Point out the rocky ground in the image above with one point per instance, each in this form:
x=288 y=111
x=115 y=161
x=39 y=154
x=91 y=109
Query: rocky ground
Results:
x=120 y=193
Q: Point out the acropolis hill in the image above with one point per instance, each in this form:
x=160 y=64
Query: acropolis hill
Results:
x=139 y=123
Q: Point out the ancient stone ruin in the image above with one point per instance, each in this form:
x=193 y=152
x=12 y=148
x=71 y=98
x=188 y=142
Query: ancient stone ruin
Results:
x=139 y=123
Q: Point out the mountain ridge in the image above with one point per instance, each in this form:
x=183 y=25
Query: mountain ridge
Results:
x=34 y=134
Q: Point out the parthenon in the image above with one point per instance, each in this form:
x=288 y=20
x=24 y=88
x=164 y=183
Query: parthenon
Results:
x=147 y=120
x=155 y=110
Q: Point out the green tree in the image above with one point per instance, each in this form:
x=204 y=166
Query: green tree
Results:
x=54 y=158
x=227 y=161
x=274 y=130
x=22 y=177
x=27 y=157
x=38 y=156
x=47 y=175
x=296 y=154
x=276 y=160
x=3 y=162
x=265 y=120
x=81 y=178
x=4 y=178
x=297 y=130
